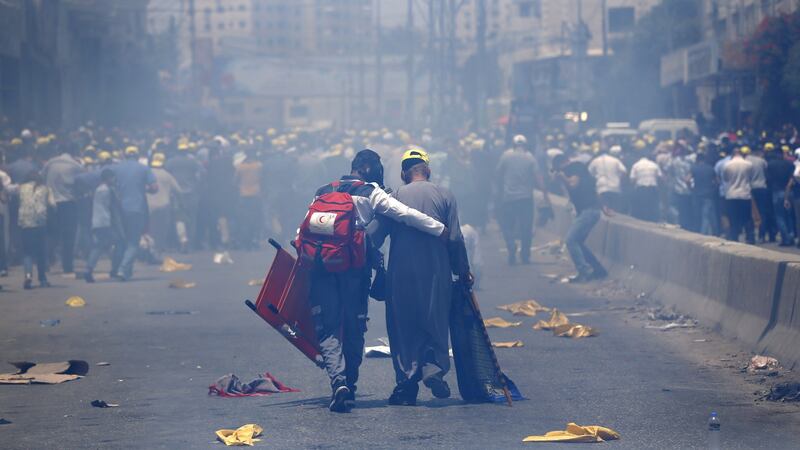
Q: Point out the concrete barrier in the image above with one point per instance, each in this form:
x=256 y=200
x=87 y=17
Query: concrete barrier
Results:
x=743 y=292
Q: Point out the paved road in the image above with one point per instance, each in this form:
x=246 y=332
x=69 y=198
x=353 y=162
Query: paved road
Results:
x=655 y=388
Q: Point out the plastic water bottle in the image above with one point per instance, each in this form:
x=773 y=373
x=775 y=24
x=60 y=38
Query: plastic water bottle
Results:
x=714 y=426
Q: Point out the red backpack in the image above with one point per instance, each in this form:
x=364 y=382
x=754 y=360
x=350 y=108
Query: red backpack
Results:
x=329 y=237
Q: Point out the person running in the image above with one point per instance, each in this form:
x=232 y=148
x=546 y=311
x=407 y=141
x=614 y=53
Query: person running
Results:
x=582 y=190
x=32 y=221
x=106 y=227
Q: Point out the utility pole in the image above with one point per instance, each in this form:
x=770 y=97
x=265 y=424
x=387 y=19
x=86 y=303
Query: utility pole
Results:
x=410 y=66
x=378 y=62
x=356 y=12
x=604 y=7
x=192 y=52
x=480 y=77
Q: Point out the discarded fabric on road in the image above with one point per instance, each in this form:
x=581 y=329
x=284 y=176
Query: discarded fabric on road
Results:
x=255 y=282
x=378 y=351
x=49 y=323
x=182 y=284
x=75 y=302
x=169 y=313
x=231 y=386
x=574 y=331
x=170 y=265
x=244 y=435
x=103 y=404
x=509 y=344
x=783 y=392
x=48 y=373
x=499 y=322
x=525 y=308
x=557 y=318
x=577 y=434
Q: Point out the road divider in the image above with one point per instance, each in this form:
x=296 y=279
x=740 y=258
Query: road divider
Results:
x=742 y=291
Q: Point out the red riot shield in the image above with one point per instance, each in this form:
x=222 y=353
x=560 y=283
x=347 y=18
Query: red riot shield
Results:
x=283 y=303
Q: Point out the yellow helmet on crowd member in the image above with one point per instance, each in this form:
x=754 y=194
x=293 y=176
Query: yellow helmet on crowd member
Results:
x=16 y=141
x=192 y=146
x=272 y=132
x=103 y=156
x=42 y=140
x=131 y=150
x=649 y=138
x=478 y=144
x=183 y=146
x=90 y=149
x=639 y=144
x=157 y=160
x=786 y=149
x=415 y=153
x=769 y=146
x=745 y=150
x=88 y=160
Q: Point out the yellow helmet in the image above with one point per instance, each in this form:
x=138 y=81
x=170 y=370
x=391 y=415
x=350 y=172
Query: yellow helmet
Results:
x=131 y=150
x=416 y=153
x=88 y=160
x=640 y=144
x=769 y=146
x=158 y=160
x=183 y=145
x=16 y=141
x=745 y=150
x=103 y=156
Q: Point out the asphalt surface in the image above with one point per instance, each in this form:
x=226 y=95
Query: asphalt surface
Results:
x=655 y=388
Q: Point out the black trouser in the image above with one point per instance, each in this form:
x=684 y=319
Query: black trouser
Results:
x=67 y=223
x=686 y=212
x=339 y=308
x=250 y=218
x=763 y=199
x=740 y=214
x=34 y=249
x=645 y=203
x=516 y=223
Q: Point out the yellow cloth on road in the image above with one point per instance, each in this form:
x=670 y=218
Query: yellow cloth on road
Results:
x=499 y=322
x=525 y=308
x=170 y=265
x=574 y=331
x=577 y=434
x=75 y=302
x=509 y=344
x=557 y=318
x=244 y=435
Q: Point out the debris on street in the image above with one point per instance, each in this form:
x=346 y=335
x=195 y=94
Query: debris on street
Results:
x=255 y=282
x=47 y=373
x=499 y=322
x=169 y=313
x=377 y=351
x=103 y=363
x=182 y=284
x=231 y=386
x=49 y=323
x=671 y=326
x=577 y=434
x=170 y=265
x=762 y=363
x=509 y=344
x=75 y=302
x=103 y=404
x=223 y=258
x=244 y=435
x=783 y=392
x=557 y=318
x=574 y=331
x=524 y=308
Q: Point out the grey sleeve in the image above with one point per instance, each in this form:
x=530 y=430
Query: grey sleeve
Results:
x=456 y=248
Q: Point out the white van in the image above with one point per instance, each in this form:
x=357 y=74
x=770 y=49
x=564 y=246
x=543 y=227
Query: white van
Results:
x=664 y=129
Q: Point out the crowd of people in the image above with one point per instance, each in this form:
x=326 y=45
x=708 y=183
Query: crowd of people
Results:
x=135 y=194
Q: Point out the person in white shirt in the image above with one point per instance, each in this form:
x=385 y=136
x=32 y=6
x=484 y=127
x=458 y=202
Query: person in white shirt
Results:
x=609 y=172
x=738 y=177
x=645 y=175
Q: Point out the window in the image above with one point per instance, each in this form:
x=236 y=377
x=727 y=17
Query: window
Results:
x=298 y=111
x=621 y=19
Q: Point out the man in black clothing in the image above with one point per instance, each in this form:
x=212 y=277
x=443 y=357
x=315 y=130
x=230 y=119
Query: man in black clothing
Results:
x=705 y=191
x=581 y=186
x=779 y=173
